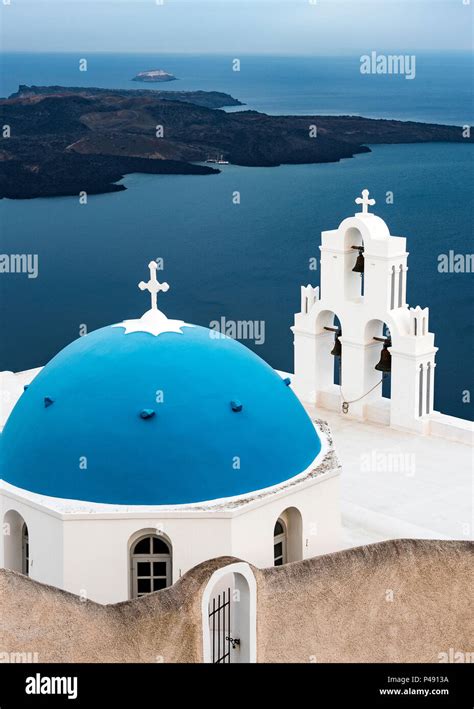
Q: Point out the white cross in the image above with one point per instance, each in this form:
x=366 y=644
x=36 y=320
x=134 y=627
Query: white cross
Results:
x=153 y=286
x=365 y=201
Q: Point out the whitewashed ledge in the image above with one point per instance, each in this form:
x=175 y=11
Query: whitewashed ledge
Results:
x=441 y=425
x=451 y=428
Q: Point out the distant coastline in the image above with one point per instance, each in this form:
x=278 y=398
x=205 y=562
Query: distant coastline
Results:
x=276 y=85
x=69 y=140
x=208 y=99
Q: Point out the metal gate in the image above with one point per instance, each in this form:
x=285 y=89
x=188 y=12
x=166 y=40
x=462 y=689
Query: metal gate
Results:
x=220 y=628
x=229 y=615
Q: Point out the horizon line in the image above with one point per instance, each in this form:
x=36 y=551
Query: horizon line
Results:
x=352 y=53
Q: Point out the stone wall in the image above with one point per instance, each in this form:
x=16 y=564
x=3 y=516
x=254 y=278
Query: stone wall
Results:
x=339 y=607
x=397 y=601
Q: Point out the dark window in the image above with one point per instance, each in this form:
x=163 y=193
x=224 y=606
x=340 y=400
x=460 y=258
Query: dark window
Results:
x=279 y=543
x=160 y=547
x=143 y=546
x=144 y=585
x=25 y=551
x=278 y=529
x=143 y=568
x=159 y=568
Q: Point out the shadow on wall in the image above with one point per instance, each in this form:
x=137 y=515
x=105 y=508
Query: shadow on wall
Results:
x=396 y=601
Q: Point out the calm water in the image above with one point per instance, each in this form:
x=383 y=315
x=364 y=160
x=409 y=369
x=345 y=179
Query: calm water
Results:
x=241 y=262
x=441 y=91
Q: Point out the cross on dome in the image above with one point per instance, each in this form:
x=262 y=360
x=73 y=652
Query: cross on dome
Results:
x=153 y=321
x=365 y=201
x=153 y=286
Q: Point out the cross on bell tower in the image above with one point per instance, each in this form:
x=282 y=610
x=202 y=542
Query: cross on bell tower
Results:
x=153 y=286
x=365 y=201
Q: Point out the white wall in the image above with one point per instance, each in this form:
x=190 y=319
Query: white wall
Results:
x=252 y=531
x=97 y=561
x=89 y=555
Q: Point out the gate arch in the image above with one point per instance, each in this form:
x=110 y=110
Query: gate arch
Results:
x=233 y=617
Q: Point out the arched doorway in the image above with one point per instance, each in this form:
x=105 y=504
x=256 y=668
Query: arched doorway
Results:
x=150 y=564
x=16 y=543
x=288 y=537
x=229 y=616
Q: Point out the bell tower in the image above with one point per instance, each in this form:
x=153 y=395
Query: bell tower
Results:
x=361 y=302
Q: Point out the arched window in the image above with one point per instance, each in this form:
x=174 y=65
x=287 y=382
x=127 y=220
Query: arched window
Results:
x=25 y=550
x=288 y=537
x=151 y=565
x=279 y=543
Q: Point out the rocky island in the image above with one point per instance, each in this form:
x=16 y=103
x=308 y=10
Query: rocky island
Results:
x=154 y=76
x=63 y=141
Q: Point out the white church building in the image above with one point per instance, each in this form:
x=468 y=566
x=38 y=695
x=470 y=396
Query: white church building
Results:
x=151 y=445
x=147 y=447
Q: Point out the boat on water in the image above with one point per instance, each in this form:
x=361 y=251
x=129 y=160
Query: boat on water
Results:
x=218 y=160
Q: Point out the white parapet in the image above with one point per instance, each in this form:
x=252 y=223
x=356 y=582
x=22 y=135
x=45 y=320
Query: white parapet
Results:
x=309 y=296
x=419 y=321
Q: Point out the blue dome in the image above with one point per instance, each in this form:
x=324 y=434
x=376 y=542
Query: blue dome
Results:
x=89 y=427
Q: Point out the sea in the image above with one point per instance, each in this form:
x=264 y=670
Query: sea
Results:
x=246 y=261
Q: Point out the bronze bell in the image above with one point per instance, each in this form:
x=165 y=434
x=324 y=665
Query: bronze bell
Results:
x=359 y=264
x=385 y=363
x=337 y=349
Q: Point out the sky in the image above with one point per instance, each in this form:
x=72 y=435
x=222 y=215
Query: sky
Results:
x=281 y=27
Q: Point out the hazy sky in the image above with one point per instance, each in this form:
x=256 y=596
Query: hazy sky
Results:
x=236 y=26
